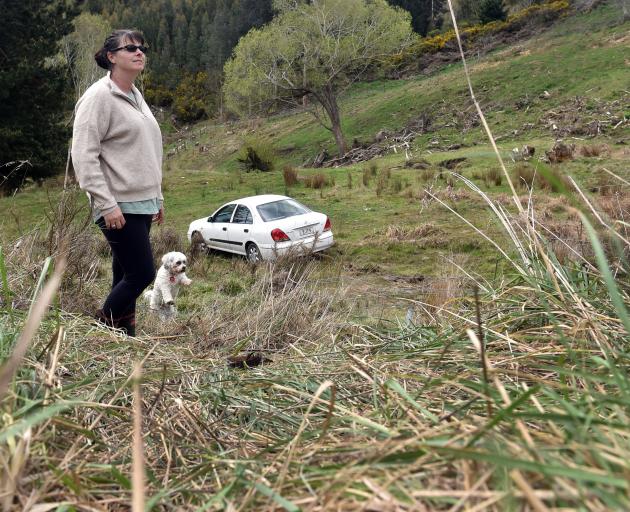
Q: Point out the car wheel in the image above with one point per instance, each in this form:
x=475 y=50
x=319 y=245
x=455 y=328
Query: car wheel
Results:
x=253 y=253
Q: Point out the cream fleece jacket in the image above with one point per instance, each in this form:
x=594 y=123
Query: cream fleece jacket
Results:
x=116 y=147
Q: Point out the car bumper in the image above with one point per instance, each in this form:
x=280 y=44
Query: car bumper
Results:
x=312 y=244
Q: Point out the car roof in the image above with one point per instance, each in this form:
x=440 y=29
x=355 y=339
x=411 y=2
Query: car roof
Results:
x=253 y=201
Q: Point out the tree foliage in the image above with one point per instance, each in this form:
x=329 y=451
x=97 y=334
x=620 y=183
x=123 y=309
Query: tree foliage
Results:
x=186 y=37
x=425 y=14
x=79 y=47
x=33 y=90
x=192 y=100
x=492 y=10
x=313 y=50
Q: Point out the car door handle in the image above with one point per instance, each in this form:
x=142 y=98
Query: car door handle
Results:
x=246 y=230
x=224 y=229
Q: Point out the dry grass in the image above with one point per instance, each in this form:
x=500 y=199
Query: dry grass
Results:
x=493 y=176
x=422 y=233
x=290 y=176
x=316 y=181
x=371 y=415
x=594 y=150
x=528 y=176
x=366 y=176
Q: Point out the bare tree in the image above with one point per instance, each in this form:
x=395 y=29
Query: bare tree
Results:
x=78 y=50
x=90 y=31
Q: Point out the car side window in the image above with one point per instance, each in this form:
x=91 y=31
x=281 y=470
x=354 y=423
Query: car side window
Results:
x=224 y=214
x=242 y=215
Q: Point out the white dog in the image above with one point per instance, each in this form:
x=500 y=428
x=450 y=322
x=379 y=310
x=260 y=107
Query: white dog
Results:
x=166 y=286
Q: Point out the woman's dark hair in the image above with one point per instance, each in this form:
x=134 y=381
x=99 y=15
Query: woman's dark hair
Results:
x=114 y=41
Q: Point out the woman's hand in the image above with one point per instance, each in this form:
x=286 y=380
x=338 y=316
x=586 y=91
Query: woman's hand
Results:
x=159 y=216
x=115 y=219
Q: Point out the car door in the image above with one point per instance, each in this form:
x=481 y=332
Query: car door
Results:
x=240 y=228
x=216 y=230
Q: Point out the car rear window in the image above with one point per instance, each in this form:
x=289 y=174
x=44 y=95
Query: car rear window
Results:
x=281 y=209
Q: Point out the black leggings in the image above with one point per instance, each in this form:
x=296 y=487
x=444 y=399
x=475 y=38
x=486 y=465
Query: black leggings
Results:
x=132 y=265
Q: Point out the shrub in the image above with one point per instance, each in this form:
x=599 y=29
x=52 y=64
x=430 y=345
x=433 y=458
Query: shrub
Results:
x=192 y=99
x=256 y=155
x=366 y=177
x=427 y=175
x=397 y=184
x=290 y=176
x=526 y=176
x=158 y=95
x=492 y=176
x=316 y=181
x=592 y=151
x=382 y=182
x=231 y=287
x=606 y=185
x=536 y=13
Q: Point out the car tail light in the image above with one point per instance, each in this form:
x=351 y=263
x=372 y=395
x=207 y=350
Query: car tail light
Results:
x=327 y=226
x=279 y=236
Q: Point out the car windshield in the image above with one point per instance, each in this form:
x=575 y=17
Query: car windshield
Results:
x=281 y=209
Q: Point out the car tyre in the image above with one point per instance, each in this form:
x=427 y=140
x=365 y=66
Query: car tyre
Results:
x=253 y=253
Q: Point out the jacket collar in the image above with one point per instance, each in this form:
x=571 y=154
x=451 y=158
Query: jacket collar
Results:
x=117 y=90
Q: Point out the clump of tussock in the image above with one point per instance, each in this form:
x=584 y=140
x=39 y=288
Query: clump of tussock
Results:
x=290 y=176
x=493 y=176
x=528 y=176
x=615 y=207
x=426 y=175
x=68 y=229
x=448 y=194
x=316 y=181
x=594 y=150
x=414 y=233
x=606 y=185
x=286 y=301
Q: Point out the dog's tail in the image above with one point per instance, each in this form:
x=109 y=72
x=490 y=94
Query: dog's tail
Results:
x=148 y=294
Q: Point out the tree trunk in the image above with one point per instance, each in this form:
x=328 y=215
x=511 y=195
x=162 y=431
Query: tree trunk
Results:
x=329 y=102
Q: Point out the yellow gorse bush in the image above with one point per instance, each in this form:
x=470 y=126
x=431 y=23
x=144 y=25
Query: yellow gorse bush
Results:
x=434 y=44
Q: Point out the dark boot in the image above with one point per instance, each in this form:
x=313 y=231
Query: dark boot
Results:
x=126 y=324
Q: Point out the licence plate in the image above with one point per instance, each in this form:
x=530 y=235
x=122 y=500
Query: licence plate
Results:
x=306 y=231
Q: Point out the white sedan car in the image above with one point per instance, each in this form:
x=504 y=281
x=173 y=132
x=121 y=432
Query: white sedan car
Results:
x=263 y=227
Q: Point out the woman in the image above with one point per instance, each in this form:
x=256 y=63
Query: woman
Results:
x=117 y=157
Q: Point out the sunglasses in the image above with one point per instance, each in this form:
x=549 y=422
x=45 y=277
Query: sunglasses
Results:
x=132 y=48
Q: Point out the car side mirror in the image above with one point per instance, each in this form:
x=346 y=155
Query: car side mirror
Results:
x=210 y=219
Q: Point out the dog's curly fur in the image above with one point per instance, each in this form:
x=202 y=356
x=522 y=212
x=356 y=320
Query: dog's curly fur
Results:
x=167 y=282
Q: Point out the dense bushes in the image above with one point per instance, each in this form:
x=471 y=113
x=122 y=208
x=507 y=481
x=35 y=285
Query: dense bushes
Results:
x=192 y=98
x=256 y=155
x=535 y=14
x=492 y=10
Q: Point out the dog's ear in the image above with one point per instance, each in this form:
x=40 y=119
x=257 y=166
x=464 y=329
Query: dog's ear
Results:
x=167 y=260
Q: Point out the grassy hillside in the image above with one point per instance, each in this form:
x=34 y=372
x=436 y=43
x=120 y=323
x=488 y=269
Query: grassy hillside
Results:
x=580 y=63
x=450 y=353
